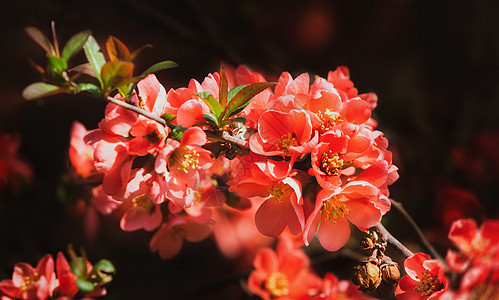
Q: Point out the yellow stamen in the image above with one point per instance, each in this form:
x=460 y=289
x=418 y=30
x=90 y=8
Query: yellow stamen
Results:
x=328 y=120
x=286 y=141
x=331 y=163
x=184 y=159
x=29 y=280
x=143 y=203
x=428 y=284
x=278 y=284
x=334 y=210
x=280 y=191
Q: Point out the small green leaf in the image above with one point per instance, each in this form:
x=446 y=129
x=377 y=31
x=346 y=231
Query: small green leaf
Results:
x=239 y=119
x=84 y=286
x=167 y=64
x=114 y=72
x=240 y=108
x=57 y=63
x=168 y=117
x=88 y=87
x=212 y=103
x=104 y=266
x=116 y=49
x=75 y=44
x=77 y=264
x=236 y=90
x=85 y=68
x=41 y=89
x=177 y=132
x=41 y=39
x=94 y=56
x=211 y=119
x=244 y=95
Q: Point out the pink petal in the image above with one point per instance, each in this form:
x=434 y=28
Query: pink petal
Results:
x=363 y=213
x=271 y=218
x=414 y=265
x=333 y=236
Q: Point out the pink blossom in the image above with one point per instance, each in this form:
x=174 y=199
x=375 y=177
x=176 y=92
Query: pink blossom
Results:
x=169 y=238
x=181 y=163
x=81 y=155
x=31 y=283
x=283 y=274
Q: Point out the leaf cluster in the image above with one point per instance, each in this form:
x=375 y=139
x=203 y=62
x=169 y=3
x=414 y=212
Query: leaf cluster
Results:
x=114 y=73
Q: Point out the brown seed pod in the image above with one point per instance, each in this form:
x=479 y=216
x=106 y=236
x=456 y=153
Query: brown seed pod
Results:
x=367 y=275
x=390 y=272
x=366 y=243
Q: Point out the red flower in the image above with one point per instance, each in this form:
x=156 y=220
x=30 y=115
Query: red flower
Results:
x=283 y=274
x=31 y=283
x=424 y=280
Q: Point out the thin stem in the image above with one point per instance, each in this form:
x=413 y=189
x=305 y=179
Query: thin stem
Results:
x=387 y=236
x=223 y=136
x=418 y=230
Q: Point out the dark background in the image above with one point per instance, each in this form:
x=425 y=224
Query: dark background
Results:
x=433 y=64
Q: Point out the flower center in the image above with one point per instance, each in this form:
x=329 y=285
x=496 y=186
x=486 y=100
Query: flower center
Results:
x=333 y=209
x=331 y=163
x=280 y=191
x=153 y=137
x=278 y=284
x=29 y=280
x=184 y=159
x=286 y=141
x=178 y=233
x=328 y=120
x=428 y=284
x=143 y=203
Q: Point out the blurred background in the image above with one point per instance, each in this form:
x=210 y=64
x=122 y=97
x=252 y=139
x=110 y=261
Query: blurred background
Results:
x=433 y=64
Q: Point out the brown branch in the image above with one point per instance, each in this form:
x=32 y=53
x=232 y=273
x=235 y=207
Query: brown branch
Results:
x=418 y=230
x=387 y=236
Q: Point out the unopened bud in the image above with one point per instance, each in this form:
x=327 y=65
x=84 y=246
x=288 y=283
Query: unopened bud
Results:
x=390 y=272
x=366 y=243
x=367 y=275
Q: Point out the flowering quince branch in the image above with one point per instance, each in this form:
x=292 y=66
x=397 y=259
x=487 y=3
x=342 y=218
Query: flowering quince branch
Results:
x=386 y=235
x=295 y=158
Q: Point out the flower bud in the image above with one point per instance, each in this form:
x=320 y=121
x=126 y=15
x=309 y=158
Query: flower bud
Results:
x=366 y=243
x=367 y=275
x=390 y=272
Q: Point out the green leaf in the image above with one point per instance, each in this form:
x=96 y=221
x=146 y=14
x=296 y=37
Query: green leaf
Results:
x=41 y=39
x=41 y=89
x=84 y=285
x=88 y=87
x=167 y=64
x=57 y=63
x=168 y=117
x=224 y=86
x=235 y=90
x=114 y=72
x=177 y=132
x=75 y=44
x=85 y=68
x=104 y=266
x=94 y=56
x=116 y=49
x=212 y=103
x=244 y=95
x=211 y=119
x=76 y=265
x=240 y=108
x=239 y=119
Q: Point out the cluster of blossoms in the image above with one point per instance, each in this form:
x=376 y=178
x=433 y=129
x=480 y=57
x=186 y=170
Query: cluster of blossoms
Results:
x=473 y=270
x=13 y=168
x=286 y=274
x=78 y=280
x=315 y=163
x=311 y=143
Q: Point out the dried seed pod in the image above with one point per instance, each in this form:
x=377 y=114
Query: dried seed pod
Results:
x=386 y=288
x=390 y=272
x=366 y=243
x=367 y=275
